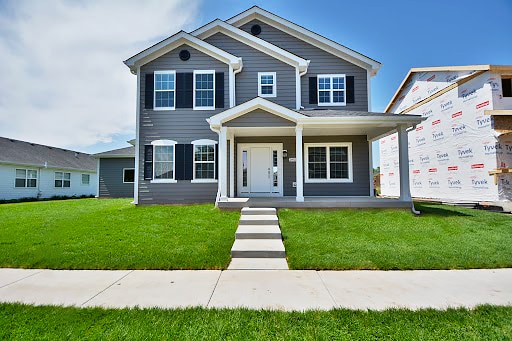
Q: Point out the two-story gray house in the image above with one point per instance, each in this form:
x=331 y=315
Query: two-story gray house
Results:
x=259 y=107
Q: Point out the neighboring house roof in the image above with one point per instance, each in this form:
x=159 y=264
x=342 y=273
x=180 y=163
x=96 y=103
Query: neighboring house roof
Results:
x=219 y=26
x=175 y=41
x=127 y=152
x=306 y=35
x=495 y=68
x=36 y=155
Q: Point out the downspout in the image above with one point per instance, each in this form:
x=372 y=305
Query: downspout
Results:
x=299 y=86
x=413 y=209
x=235 y=72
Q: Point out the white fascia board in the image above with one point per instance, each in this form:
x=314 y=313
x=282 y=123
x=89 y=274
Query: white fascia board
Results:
x=256 y=103
x=307 y=36
x=400 y=119
x=174 y=42
x=219 y=26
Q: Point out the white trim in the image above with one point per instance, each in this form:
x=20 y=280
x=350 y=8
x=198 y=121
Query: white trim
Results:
x=161 y=143
x=328 y=145
x=164 y=72
x=299 y=170
x=370 y=166
x=256 y=103
x=331 y=90
x=163 y=181
x=98 y=160
x=274 y=84
x=203 y=72
x=272 y=50
x=222 y=164
x=137 y=145
x=176 y=41
x=128 y=182
x=305 y=35
x=247 y=191
x=232 y=174
x=194 y=162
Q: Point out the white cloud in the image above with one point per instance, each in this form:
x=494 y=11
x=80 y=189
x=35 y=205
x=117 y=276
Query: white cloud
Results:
x=62 y=80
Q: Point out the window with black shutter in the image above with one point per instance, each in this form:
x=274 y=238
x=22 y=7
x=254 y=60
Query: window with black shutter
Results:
x=148 y=162
x=219 y=90
x=184 y=90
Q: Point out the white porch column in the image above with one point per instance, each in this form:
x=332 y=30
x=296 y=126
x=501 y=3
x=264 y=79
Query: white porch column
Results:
x=299 y=164
x=232 y=165
x=223 y=174
x=403 y=159
x=370 y=162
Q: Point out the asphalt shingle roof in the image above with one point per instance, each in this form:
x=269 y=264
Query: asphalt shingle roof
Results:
x=121 y=152
x=341 y=113
x=31 y=154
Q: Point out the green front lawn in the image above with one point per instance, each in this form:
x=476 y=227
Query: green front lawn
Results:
x=114 y=234
x=21 y=322
x=442 y=237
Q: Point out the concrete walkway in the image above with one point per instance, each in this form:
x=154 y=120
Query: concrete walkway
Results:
x=258 y=289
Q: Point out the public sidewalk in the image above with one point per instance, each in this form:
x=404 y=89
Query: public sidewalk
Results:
x=258 y=289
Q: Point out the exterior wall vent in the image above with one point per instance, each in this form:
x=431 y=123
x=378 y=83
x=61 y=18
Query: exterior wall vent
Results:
x=255 y=30
x=184 y=55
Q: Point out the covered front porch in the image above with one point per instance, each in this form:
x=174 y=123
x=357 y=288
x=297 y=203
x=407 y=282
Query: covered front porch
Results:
x=271 y=156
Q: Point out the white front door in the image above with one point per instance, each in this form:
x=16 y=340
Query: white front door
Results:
x=260 y=177
x=260 y=169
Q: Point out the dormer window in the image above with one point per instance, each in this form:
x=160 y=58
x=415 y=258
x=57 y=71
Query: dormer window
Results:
x=204 y=90
x=267 y=84
x=331 y=90
x=165 y=90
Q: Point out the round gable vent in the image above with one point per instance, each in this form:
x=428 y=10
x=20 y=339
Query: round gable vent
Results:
x=256 y=29
x=184 y=55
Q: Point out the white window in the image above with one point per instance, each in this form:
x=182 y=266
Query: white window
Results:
x=165 y=90
x=62 y=179
x=128 y=175
x=204 y=160
x=267 y=84
x=163 y=161
x=204 y=90
x=26 y=178
x=331 y=90
x=86 y=179
x=331 y=162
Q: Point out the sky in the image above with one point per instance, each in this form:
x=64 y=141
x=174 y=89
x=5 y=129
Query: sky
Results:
x=63 y=83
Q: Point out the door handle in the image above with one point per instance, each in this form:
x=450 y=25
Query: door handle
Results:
x=268 y=172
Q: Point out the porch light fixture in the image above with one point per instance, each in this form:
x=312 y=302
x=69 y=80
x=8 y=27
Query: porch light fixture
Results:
x=285 y=153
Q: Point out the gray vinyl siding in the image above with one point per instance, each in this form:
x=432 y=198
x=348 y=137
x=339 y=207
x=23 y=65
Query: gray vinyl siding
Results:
x=259 y=118
x=360 y=162
x=181 y=125
x=246 y=82
x=322 y=62
x=111 y=178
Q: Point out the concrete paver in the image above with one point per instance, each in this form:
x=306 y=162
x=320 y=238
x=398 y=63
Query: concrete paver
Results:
x=61 y=287
x=271 y=289
x=258 y=264
x=165 y=289
x=440 y=289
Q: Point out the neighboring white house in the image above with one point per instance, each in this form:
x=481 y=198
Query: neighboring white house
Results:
x=29 y=170
x=463 y=151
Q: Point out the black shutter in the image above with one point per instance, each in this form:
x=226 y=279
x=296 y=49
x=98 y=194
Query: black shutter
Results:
x=148 y=162
x=148 y=98
x=217 y=161
x=188 y=162
x=313 y=91
x=179 y=152
x=219 y=90
x=350 y=89
x=184 y=90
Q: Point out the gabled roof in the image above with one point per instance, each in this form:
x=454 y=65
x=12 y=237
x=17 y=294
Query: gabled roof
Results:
x=218 y=25
x=311 y=116
x=253 y=104
x=175 y=41
x=127 y=152
x=28 y=154
x=486 y=67
x=306 y=35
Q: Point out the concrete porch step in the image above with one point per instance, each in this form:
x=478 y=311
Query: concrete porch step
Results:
x=258 y=211
x=258 y=232
x=258 y=248
x=264 y=219
x=258 y=264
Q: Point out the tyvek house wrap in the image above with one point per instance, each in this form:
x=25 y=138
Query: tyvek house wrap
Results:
x=451 y=152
